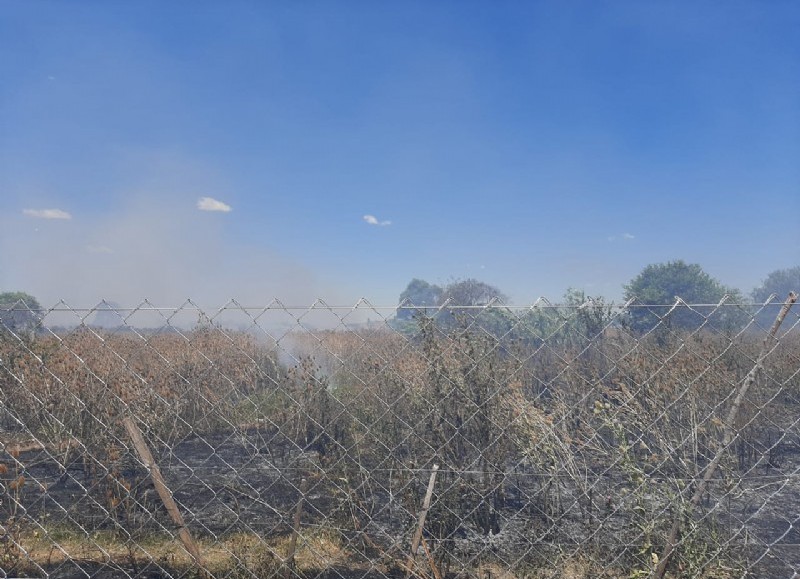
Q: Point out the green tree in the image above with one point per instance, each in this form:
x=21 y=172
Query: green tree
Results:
x=465 y=298
x=418 y=295
x=778 y=283
x=656 y=289
x=583 y=318
x=19 y=312
x=471 y=292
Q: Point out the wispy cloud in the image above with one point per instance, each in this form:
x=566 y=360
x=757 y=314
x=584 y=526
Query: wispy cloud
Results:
x=47 y=213
x=623 y=237
x=211 y=204
x=372 y=220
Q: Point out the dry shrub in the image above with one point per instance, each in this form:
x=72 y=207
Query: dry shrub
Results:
x=583 y=441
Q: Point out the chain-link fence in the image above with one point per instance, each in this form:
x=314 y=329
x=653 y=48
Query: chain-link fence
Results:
x=491 y=442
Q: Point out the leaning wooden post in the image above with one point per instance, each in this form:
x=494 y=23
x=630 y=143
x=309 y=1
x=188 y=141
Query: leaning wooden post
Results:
x=426 y=505
x=164 y=493
x=728 y=436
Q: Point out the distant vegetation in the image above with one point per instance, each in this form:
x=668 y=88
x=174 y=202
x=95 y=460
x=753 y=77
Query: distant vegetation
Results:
x=19 y=312
x=651 y=295
x=656 y=285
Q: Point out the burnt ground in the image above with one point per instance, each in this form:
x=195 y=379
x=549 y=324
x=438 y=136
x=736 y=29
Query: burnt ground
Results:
x=249 y=482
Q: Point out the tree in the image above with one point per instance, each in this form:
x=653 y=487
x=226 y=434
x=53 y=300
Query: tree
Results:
x=584 y=318
x=656 y=288
x=419 y=294
x=19 y=312
x=464 y=299
x=471 y=292
x=460 y=295
x=778 y=283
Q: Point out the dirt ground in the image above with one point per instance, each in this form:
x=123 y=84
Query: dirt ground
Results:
x=246 y=484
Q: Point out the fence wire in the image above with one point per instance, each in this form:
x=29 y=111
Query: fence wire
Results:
x=461 y=441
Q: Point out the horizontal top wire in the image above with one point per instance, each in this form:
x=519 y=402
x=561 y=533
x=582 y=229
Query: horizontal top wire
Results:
x=318 y=306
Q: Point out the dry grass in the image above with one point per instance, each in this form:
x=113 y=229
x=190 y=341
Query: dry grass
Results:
x=316 y=551
x=633 y=407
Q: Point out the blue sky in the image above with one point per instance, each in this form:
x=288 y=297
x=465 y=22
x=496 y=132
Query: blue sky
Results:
x=533 y=145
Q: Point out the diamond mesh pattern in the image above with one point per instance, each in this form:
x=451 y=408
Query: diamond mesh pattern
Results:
x=301 y=441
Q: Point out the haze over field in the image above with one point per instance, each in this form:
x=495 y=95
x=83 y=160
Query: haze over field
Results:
x=302 y=150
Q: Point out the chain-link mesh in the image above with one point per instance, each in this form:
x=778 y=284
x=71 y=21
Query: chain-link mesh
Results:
x=491 y=442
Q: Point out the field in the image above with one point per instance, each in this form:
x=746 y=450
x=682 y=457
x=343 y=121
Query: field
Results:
x=450 y=450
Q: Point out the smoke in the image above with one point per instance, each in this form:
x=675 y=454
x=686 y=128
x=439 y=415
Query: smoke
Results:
x=158 y=247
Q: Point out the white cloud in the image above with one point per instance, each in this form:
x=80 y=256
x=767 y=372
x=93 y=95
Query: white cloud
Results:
x=165 y=260
x=211 y=204
x=623 y=237
x=372 y=220
x=47 y=213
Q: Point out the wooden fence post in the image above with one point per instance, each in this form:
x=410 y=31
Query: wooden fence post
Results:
x=164 y=493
